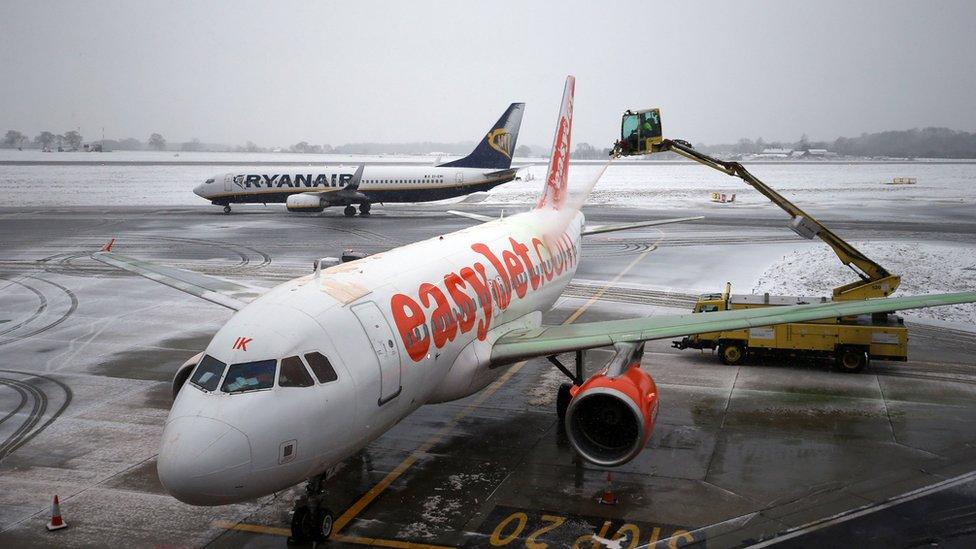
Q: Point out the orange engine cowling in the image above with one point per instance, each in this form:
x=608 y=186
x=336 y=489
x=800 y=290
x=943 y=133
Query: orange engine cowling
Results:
x=609 y=420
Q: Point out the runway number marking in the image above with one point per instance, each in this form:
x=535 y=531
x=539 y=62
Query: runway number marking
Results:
x=511 y=527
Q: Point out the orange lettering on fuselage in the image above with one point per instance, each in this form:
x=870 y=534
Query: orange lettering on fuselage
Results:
x=514 y=272
x=409 y=319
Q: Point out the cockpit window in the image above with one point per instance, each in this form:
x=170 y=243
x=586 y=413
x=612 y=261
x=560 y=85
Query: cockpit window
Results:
x=321 y=367
x=209 y=181
x=249 y=376
x=208 y=372
x=293 y=373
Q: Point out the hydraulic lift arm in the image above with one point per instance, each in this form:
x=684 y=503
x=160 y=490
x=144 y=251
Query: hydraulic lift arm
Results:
x=874 y=281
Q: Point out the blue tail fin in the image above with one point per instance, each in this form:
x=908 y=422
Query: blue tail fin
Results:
x=497 y=148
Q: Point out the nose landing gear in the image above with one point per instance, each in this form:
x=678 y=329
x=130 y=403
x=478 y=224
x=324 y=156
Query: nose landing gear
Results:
x=227 y=209
x=311 y=521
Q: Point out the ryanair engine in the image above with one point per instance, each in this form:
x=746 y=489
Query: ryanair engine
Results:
x=304 y=202
x=611 y=415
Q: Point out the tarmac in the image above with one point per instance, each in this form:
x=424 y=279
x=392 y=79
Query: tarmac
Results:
x=781 y=454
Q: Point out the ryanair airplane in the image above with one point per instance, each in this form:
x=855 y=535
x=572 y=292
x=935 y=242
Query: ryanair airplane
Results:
x=489 y=165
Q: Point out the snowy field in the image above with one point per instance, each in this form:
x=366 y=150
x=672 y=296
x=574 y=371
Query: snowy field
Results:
x=655 y=185
x=823 y=185
x=924 y=267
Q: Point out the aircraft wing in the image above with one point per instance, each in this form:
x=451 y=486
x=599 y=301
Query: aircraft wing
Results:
x=502 y=173
x=469 y=215
x=232 y=295
x=597 y=229
x=550 y=340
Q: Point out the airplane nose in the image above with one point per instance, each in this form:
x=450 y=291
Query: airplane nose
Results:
x=198 y=190
x=204 y=461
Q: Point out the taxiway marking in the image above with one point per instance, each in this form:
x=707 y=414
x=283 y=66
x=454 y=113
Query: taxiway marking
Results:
x=358 y=540
x=408 y=462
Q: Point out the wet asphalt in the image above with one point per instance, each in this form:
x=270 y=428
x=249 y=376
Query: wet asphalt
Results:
x=739 y=454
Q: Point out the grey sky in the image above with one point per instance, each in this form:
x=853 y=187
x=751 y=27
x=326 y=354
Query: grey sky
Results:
x=330 y=72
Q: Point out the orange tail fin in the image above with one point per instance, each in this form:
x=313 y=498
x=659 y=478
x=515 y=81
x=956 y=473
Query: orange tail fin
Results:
x=554 y=193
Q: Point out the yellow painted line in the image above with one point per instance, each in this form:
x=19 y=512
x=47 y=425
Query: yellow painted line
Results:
x=377 y=542
x=253 y=528
x=408 y=462
x=358 y=540
x=572 y=318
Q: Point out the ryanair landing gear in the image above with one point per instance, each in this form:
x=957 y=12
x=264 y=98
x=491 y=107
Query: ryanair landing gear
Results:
x=349 y=211
x=311 y=521
x=364 y=208
x=227 y=209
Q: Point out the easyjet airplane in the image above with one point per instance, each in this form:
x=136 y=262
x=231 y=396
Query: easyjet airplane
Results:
x=489 y=165
x=306 y=374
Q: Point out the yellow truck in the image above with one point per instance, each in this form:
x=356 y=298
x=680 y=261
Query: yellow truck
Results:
x=850 y=341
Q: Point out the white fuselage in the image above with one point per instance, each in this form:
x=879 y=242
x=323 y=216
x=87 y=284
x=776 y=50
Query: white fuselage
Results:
x=402 y=328
x=379 y=183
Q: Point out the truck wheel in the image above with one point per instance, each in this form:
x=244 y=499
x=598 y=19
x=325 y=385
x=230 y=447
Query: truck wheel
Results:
x=850 y=360
x=731 y=353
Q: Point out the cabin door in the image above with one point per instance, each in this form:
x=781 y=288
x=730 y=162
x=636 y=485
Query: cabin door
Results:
x=384 y=348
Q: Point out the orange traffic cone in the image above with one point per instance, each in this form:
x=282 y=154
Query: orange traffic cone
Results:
x=56 y=522
x=608 y=497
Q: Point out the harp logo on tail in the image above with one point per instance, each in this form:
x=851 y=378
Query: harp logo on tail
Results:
x=500 y=140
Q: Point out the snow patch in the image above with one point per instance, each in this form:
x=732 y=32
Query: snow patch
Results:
x=924 y=267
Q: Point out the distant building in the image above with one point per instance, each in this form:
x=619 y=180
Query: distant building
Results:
x=775 y=153
x=819 y=153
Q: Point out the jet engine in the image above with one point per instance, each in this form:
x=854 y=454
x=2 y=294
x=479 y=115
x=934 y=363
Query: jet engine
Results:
x=611 y=415
x=304 y=202
x=184 y=371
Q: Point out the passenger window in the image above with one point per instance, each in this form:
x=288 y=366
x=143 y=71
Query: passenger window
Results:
x=321 y=367
x=293 y=373
x=249 y=376
x=208 y=373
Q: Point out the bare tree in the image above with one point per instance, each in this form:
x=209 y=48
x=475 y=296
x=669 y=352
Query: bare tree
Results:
x=44 y=140
x=156 y=141
x=13 y=138
x=73 y=139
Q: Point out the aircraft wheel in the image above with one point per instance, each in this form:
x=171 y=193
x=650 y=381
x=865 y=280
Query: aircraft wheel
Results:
x=323 y=524
x=731 y=353
x=303 y=527
x=850 y=360
x=349 y=211
x=227 y=209
x=364 y=208
x=562 y=400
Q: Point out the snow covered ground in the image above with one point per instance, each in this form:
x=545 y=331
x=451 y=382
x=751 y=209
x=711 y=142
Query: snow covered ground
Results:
x=821 y=185
x=657 y=185
x=924 y=267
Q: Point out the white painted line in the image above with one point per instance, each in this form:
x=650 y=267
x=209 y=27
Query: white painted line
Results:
x=867 y=509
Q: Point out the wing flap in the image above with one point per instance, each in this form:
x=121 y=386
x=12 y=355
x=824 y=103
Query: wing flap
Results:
x=232 y=295
x=549 y=340
x=598 y=229
x=469 y=215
